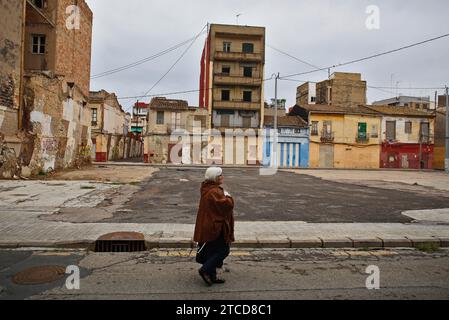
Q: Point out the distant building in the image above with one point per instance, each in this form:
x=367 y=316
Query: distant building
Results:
x=341 y=137
x=293 y=142
x=269 y=108
x=111 y=138
x=232 y=73
x=419 y=103
x=167 y=117
x=139 y=118
x=342 y=89
x=306 y=94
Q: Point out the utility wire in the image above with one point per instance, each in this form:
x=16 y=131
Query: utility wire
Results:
x=295 y=58
x=369 y=57
x=142 y=61
x=176 y=62
x=176 y=92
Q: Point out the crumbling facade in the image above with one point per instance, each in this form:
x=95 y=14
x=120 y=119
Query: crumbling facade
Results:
x=168 y=120
x=111 y=137
x=45 y=78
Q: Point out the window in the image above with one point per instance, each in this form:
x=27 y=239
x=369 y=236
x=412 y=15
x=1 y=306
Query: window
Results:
x=327 y=127
x=374 y=131
x=248 y=72
x=248 y=48
x=176 y=120
x=314 y=128
x=247 y=96
x=425 y=106
x=226 y=70
x=361 y=132
x=408 y=127
x=226 y=46
x=94 y=117
x=38 y=44
x=39 y=3
x=225 y=120
x=425 y=132
x=225 y=95
x=391 y=130
x=160 y=117
x=405 y=104
x=312 y=99
x=246 y=122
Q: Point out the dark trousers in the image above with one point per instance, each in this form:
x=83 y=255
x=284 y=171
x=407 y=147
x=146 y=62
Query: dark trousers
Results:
x=216 y=252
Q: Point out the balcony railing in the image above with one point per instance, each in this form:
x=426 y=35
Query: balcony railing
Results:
x=237 y=105
x=238 y=56
x=362 y=138
x=226 y=79
x=327 y=136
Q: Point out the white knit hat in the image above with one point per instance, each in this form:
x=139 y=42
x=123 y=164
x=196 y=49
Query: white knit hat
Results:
x=213 y=173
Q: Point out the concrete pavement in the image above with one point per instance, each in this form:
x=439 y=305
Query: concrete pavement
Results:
x=251 y=274
x=23 y=205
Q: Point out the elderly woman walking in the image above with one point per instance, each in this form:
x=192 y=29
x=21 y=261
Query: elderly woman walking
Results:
x=214 y=229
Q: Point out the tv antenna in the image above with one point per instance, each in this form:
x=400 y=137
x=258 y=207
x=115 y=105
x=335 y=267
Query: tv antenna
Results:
x=237 y=16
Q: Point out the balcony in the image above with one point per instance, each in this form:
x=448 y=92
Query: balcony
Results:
x=237 y=105
x=226 y=79
x=238 y=56
x=327 y=137
x=362 y=138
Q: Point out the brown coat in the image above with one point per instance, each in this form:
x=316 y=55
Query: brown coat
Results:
x=215 y=215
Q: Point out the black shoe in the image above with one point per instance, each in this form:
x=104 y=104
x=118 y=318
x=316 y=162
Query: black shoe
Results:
x=219 y=281
x=207 y=279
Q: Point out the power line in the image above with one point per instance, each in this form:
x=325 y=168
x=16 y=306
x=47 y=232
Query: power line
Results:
x=174 y=93
x=142 y=61
x=176 y=62
x=293 y=57
x=369 y=57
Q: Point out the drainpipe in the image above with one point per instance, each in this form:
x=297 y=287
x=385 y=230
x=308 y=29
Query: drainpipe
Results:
x=22 y=67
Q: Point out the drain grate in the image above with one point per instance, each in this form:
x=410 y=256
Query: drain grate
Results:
x=121 y=242
x=39 y=275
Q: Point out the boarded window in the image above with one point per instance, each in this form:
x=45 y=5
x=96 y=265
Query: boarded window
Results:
x=425 y=132
x=391 y=130
x=248 y=48
x=176 y=120
x=160 y=117
x=408 y=127
x=225 y=95
x=314 y=131
x=225 y=120
x=374 y=131
x=246 y=122
x=247 y=96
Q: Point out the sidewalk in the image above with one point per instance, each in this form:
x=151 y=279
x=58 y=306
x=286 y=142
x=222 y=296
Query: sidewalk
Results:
x=21 y=204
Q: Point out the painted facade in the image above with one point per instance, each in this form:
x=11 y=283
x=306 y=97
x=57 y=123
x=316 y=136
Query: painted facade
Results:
x=341 y=137
x=408 y=137
x=293 y=143
x=111 y=137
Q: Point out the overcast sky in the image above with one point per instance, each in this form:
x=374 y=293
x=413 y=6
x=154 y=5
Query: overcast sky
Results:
x=321 y=32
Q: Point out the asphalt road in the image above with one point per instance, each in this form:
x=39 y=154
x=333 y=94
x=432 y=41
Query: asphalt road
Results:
x=255 y=275
x=172 y=196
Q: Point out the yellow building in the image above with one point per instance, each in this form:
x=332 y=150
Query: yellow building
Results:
x=342 y=137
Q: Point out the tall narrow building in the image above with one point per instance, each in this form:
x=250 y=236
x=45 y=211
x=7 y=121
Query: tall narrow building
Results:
x=232 y=73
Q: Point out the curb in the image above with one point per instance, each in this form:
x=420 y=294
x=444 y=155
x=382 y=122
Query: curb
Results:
x=253 y=243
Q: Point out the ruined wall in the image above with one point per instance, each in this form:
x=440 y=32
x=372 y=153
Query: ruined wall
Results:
x=59 y=122
x=11 y=13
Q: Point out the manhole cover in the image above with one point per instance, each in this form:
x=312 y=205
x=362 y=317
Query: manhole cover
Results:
x=121 y=242
x=39 y=275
